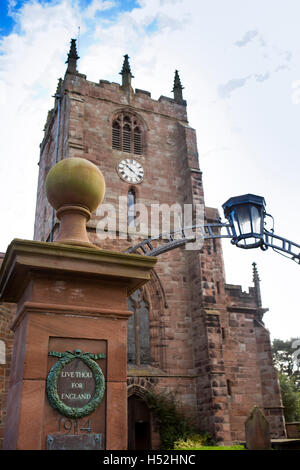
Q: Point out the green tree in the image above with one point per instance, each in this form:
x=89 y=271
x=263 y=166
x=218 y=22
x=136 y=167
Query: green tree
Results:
x=286 y=358
x=287 y=361
x=290 y=397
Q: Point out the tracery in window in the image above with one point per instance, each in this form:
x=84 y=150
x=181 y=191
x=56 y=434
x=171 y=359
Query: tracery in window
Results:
x=127 y=134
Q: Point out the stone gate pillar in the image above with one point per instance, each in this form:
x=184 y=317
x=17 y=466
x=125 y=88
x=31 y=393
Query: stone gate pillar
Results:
x=69 y=367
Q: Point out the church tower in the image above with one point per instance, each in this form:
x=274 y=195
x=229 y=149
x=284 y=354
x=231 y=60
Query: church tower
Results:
x=190 y=332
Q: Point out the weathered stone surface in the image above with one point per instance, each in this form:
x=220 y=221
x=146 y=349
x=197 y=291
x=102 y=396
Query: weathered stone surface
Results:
x=7 y=312
x=43 y=325
x=257 y=431
x=293 y=430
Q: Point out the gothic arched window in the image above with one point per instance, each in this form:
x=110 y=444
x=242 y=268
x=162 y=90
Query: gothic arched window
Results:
x=2 y=352
x=131 y=208
x=127 y=134
x=138 y=333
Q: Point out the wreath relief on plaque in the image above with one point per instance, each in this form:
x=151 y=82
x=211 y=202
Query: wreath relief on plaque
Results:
x=75 y=384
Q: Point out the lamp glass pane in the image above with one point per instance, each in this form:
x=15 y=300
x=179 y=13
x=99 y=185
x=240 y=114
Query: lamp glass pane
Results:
x=256 y=219
x=243 y=218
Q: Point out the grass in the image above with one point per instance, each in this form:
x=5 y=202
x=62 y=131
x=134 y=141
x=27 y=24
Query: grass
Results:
x=219 y=448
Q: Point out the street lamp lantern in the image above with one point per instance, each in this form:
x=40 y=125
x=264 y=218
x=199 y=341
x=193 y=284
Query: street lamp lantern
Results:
x=246 y=215
x=245 y=227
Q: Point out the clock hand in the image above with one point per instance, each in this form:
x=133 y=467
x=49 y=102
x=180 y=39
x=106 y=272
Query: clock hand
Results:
x=131 y=169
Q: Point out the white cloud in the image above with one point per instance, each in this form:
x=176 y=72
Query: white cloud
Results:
x=97 y=5
x=261 y=77
x=226 y=89
x=248 y=37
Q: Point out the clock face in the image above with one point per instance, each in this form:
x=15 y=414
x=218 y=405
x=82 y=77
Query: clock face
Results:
x=131 y=171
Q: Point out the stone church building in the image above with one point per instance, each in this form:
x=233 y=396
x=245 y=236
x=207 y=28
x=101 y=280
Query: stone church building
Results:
x=190 y=332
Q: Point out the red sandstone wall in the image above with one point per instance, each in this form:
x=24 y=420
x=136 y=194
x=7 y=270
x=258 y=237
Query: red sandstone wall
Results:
x=272 y=402
x=6 y=336
x=201 y=347
x=171 y=151
x=249 y=365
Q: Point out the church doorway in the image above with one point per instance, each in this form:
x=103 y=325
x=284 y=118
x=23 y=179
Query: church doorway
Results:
x=139 y=424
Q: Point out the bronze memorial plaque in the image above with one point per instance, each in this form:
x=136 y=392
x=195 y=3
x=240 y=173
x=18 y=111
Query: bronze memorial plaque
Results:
x=75 y=383
x=74 y=442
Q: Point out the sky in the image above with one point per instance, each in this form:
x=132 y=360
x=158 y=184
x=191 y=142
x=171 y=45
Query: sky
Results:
x=239 y=63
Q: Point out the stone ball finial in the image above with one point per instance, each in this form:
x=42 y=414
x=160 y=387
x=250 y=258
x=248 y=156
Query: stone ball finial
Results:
x=75 y=187
x=75 y=181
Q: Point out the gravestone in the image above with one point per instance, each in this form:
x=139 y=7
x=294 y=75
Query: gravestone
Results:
x=257 y=431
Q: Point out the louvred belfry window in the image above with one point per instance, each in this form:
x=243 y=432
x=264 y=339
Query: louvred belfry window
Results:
x=116 y=135
x=137 y=136
x=127 y=134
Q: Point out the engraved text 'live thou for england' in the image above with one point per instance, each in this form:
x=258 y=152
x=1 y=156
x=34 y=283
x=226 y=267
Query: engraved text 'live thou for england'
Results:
x=76 y=384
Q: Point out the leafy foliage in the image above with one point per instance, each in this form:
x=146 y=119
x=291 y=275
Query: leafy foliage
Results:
x=290 y=397
x=284 y=357
x=194 y=441
x=286 y=362
x=173 y=424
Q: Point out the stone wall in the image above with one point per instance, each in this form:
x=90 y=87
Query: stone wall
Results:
x=272 y=402
x=249 y=365
x=6 y=344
